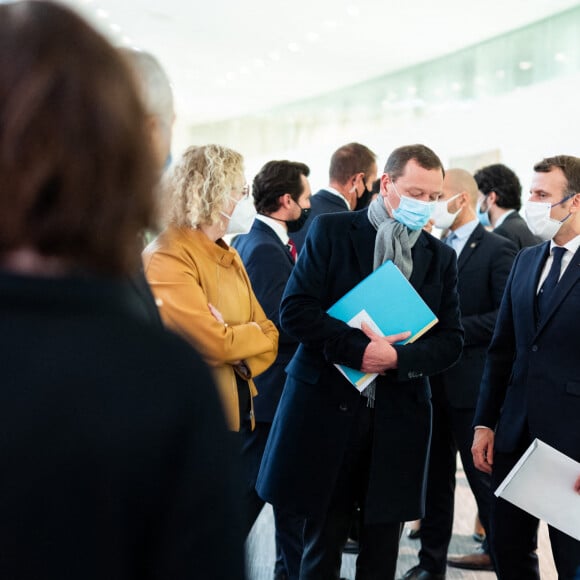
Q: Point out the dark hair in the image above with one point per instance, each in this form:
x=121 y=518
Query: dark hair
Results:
x=275 y=179
x=398 y=159
x=569 y=165
x=376 y=186
x=503 y=181
x=76 y=165
x=350 y=159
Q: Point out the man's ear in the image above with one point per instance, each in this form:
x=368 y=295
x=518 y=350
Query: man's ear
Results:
x=285 y=200
x=385 y=180
x=491 y=196
x=464 y=199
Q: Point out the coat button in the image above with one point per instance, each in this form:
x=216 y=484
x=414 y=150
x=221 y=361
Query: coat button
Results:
x=535 y=348
x=343 y=407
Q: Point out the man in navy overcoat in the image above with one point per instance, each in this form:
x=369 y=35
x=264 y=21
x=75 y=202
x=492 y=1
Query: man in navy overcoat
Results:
x=331 y=447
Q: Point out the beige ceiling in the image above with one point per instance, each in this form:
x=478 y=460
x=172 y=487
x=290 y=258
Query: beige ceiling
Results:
x=227 y=58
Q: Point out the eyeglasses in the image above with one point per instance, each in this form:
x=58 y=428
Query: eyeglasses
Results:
x=245 y=194
x=245 y=191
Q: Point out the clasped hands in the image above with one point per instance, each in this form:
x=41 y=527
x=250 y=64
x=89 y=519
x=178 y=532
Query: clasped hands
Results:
x=379 y=355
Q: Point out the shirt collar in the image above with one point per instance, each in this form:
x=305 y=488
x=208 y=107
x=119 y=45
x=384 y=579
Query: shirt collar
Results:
x=465 y=230
x=572 y=246
x=502 y=218
x=278 y=228
x=338 y=194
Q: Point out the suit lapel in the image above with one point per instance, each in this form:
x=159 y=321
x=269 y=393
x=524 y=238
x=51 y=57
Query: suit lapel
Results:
x=260 y=226
x=568 y=280
x=470 y=245
x=422 y=255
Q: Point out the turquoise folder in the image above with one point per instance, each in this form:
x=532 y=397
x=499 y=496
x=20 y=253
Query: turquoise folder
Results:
x=391 y=302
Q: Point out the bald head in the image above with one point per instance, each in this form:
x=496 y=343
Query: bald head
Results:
x=459 y=181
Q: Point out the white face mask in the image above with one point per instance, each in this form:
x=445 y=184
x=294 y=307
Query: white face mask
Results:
x=242 y=217
x=537 y=216
x=441 y=215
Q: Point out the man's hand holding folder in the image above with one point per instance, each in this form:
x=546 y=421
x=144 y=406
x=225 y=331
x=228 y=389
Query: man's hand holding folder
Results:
x=379 y=355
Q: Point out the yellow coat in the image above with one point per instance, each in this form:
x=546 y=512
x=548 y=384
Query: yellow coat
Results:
x=187 y=271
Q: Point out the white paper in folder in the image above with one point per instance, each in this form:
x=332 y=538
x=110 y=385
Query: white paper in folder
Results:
x=542 y=484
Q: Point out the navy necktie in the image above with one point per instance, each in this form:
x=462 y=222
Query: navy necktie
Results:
x=551 y=281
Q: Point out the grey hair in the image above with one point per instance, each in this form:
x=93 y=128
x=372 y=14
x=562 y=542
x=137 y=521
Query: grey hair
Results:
x=153 y=84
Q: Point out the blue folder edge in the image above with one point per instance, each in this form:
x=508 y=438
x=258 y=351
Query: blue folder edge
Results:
x=385 y=283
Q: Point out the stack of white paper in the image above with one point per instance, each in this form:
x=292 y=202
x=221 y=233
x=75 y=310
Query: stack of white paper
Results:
x=542 y=484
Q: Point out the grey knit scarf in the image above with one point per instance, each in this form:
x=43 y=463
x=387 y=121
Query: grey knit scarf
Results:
x=393 y=242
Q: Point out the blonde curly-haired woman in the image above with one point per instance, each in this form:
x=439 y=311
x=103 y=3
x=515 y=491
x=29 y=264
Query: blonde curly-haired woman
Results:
x=201 y=287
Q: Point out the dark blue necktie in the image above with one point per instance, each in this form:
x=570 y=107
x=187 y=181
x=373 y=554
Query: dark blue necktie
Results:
x=551 y=281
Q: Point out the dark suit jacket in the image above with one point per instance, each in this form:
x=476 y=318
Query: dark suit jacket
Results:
x=269 y=265
x=516 y=229
x=115 y=459
x=308 y=437
x=483 y=269
x=321 y=202
x=531 y=379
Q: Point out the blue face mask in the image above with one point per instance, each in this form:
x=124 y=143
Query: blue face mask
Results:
x=483 y=217
x=412 y=213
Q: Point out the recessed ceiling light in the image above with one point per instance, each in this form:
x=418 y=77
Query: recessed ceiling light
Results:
x=274 y=55
x=500 y=74
x=313 y=37
x=115 y=28
x=560 y=57
x=456 y=86
x=102 y=14
x=525 y=65
x=353 y=10
x=412 y=90
x=293 y=47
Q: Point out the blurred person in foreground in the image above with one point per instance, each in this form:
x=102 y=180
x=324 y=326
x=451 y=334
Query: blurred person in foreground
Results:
x=157 y=98
x=203 y=290
x=155 y=91
x=114 y=465
x=531 y=387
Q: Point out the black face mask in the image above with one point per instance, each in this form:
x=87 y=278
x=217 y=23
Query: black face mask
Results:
x=364 y=200
x=295 y=225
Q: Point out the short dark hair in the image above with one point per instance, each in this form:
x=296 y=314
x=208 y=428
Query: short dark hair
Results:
x=274 y=180
x=350 y=159
x=569 y=165
x=398 y=159
x=503 y=181
x=76 y=164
